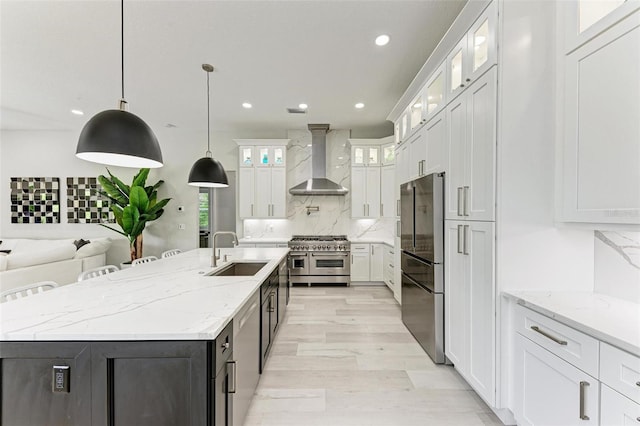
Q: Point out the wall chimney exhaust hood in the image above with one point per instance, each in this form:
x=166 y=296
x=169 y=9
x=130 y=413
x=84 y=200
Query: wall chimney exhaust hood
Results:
x=318 y=184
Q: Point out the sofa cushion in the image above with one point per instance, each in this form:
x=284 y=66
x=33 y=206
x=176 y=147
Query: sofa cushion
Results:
x=96 y=246
x=3 y=262
x=37 y=255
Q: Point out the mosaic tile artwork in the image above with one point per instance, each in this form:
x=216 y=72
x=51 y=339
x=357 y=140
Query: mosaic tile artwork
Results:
x=35 y=200
x=85 y=204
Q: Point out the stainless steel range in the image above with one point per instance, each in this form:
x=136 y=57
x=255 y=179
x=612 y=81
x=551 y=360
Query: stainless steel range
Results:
x=319 y=259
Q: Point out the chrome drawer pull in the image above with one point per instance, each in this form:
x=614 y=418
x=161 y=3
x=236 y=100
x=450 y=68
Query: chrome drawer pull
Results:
x=583 y=385
x=548 y=336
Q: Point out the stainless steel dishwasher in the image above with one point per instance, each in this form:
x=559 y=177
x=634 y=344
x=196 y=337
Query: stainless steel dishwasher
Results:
x=246 y=340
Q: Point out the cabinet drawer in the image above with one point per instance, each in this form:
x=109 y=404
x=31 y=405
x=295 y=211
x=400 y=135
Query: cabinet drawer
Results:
x=223 y=348
x=621 y=371
x=616 y=409
x=571 y=345
x=359 y=248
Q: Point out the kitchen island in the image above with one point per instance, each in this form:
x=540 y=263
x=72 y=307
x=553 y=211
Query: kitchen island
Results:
x=148 y=345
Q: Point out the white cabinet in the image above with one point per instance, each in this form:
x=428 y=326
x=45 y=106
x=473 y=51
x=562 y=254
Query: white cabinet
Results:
x=434 y=95
x=365 y=192
x=388 y=260
x=417 y=116
x=388 y=151
x=471 y=133
x=470 y=303
x=360 y=262
x=262 y=183
x=417 y=154
x=365 y=155
x=376 y=263
x=474 y=54
x=436 y=138
x=550 y=391
x=270 y=192
x=616 y=409
x=402 y=163
x=270 y=156
x=388 y=192
x=601 y=149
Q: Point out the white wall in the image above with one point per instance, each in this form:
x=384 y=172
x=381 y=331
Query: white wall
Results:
x=533 y=251
x=334 y=216
x=51 y=153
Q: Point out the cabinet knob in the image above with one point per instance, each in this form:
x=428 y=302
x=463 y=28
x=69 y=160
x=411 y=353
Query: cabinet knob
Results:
x=462 y=85
x=468 y=80
x=225 y=345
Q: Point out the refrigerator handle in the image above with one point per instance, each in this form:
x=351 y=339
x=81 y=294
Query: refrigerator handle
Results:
x=460 y=236
x=397 y=207
x=398 y=228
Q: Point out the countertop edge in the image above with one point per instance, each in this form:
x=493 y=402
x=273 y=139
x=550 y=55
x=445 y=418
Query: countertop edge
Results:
x=521 y=300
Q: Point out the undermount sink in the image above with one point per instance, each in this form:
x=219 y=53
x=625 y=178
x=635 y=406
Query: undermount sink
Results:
x=237 y=269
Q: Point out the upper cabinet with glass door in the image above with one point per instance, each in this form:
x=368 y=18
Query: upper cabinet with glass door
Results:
x=247 y=156
x=585 y=19
x=434 y=92
x=474 y=54
x=417 y=111
x=271 y=156
x=362 y=155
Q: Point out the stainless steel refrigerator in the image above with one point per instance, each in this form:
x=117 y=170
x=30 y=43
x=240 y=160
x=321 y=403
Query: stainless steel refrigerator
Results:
x=422 y=261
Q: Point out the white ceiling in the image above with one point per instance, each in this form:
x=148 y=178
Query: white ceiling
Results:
x=63 y=55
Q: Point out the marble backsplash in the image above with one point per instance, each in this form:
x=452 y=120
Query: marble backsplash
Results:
x=617 y=264
x=334 y=212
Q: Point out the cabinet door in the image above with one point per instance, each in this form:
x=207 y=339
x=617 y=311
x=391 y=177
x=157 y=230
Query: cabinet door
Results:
x=436 y=136
x=246 y=192
x=262 y=192
x=482 y=44
x=417 y=154
x=601 y=155
x=388 y=154
x=479 y=191
x=456 y=64
x=417 y=109
x=265 y=334
x=616 y=409
x=360 y=266
x=402 y=164
x=481 y=373
x=373 y=156
x=456 y=300
x=358 y=192
x=435 y=92
x=373 y=191
x=278 y=192
x=550 y=391
x=279 y=156
x=388 y=191
x=456 y=119
x=27 y=373
x=149 y=383
x=359 y=155
x=246 y=154
x=376 y=263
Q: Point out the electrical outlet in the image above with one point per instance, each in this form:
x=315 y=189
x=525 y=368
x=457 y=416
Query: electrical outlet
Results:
x=182 y=226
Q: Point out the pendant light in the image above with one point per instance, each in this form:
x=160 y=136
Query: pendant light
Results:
x=206 y=171
x=116 y=137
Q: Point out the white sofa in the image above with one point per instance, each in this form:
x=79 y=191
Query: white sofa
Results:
x=33 y=260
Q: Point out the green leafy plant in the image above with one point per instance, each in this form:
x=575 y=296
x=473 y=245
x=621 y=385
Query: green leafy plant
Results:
x=133 y=205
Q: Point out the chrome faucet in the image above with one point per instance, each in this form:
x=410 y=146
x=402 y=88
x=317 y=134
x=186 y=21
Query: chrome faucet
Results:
x=214 y=258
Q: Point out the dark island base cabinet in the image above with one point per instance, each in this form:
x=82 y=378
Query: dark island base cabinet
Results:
x=117 y=383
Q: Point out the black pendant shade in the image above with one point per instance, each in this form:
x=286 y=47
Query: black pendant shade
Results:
x=206 y=171
x=209 y=173
x=119 y=138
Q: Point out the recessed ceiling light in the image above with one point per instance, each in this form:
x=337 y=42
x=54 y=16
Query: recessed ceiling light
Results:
x=77 y=112
x=359 y=105
x=382 y=40
x=246 y=105
x=303 y=106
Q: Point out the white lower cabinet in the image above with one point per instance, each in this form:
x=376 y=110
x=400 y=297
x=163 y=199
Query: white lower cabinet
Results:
x=360 y=263
x=470 y=303
x=376 y=263
x=550 y=391
x=616 y=409
x=388 y=261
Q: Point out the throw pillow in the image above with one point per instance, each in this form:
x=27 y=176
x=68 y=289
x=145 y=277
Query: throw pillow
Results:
x=97 y=246
x=79 y=243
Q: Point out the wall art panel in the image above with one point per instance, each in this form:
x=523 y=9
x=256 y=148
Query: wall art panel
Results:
x=84 y=202
x=35 y=199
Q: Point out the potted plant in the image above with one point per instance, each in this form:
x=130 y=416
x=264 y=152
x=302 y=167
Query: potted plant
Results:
x=133 y=206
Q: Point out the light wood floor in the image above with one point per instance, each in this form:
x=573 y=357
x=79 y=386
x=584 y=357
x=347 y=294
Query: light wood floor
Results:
x=343 y=358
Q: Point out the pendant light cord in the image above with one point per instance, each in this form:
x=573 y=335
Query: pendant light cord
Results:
x=122 y=45
x=208 y=153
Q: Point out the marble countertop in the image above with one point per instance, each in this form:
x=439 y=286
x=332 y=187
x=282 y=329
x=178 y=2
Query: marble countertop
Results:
x=609 y=319
x=259 y=240
x=371 y=241
x=169 y=299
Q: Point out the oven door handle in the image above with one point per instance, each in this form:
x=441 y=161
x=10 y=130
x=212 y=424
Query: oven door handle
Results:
x=330 y=254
